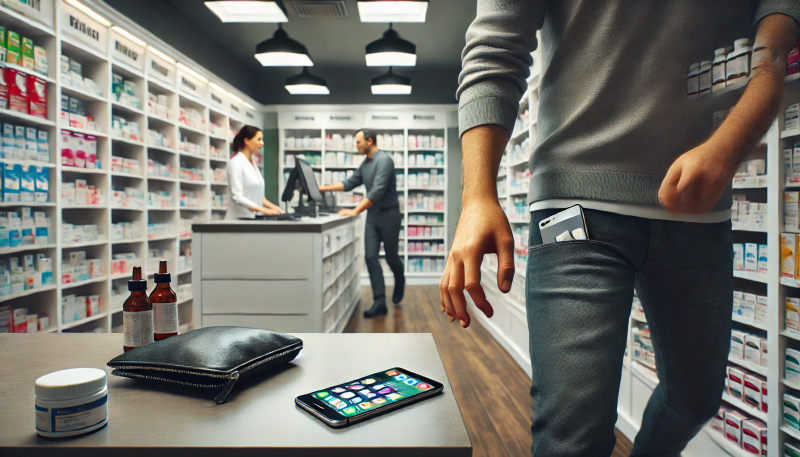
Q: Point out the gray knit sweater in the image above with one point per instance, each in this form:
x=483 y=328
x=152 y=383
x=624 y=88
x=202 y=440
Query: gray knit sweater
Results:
x=613 y=111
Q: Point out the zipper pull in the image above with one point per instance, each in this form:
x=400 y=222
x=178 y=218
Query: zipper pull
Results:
x=227 y=389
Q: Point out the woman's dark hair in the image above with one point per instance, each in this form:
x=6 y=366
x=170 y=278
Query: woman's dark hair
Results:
x=247 y=132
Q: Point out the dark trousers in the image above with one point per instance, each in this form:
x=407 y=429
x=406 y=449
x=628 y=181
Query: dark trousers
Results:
x=383 y=225
x=579 y=302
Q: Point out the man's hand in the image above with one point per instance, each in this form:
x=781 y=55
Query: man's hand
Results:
x=268 y=211
x=348 y=212
x=696 y=180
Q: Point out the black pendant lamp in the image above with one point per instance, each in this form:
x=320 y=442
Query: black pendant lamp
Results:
x=391 y=84
x=306 y=84
x=282 y=51
x=391 y=50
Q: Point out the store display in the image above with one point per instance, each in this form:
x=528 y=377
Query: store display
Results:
x=78 y=268
x=121 y=231
x=79 y=150
x=156 y=138
x=191 y=117
x=158 y=105
x=192 y=174
x=129 y=197
x=75 y=234
x=428 y=160
x=125 y=165
x=123 y=128
x=191 y=148
x=749 y=307
x=125 y=92
x=160 y=199
x=158 y=169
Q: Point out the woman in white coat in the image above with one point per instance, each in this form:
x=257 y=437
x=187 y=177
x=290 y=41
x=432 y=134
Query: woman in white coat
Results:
x=245 y=182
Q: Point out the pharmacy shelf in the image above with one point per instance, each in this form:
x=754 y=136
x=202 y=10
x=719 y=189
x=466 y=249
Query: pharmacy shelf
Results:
x=193 y=182
x=425 y=167
x=518 y=221
x=185 y=238
x=185 y=300
x=26 y=204
x=754 y=324
x=793 y=432
x=427 y=189
x=84 y=206
x=194 y=156
x=790 y=282
x=791 y=334
x=26 y=293
x=28 y=71
x=50 y=330
x=135 y=240
x=126 y=175
x=183 y=272
x=519 y=162
x=85 y=52
x=30 y=247
x=193 y=208
x=126 y=108
x=725 y=444
x=790 y=384
x=162 y=237
x=164 y=120
x=424 y=211
x=120 y=139
x=790 y=133
x=523 y=133
x=25 y=118
x=120 y=276
x=745 y=227
x=72 y=285
x=419 y=150
x=127 y=208
x=518 y=193
x=750 y=182
x=84 y=244
x=218 y=159
x=425 y=238
x=425 y=254
x=190 y=129
x=83 y=321
x=161 y=178
x=23 y=25
x=219 y=183
x=733 y=401
x=749 y=365
x=750 y=276
x=162 y=148
x=82 y=94
x=159 y=208
x=22 y=162
x=645 y=374
x=217 y=137
x=96 y=133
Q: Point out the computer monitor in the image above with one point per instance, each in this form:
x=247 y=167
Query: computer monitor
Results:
x=308 y=181
x=302 y=178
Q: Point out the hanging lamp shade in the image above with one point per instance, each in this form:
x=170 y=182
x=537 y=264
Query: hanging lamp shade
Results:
x=391 y=50
x=392 y=10
x=282 y=51
x=306 y=84
x=391 y=84
x=248 y=10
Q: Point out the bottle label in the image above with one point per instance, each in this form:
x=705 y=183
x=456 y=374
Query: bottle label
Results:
x=705 y=81
x=719 y=73
x=693 y=85
x=165 y=317
x=72 y=418
x=138 y=328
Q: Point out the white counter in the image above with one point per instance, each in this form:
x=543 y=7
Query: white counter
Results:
x=287 y=276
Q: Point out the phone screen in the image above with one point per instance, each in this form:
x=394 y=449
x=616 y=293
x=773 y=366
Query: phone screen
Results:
x=374 y=391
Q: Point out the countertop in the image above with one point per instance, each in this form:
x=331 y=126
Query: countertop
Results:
x=304 y=225
x=259 y=418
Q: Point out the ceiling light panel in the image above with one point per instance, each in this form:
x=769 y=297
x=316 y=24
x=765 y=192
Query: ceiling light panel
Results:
x=392 y=11
x=247 y=11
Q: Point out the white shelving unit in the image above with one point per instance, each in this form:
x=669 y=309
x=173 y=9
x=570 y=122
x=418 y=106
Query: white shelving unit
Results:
x=151 y=72
x=403 y=124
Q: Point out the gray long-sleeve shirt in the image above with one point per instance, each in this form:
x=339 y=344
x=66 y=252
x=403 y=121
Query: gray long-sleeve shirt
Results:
x=613 y=110
x=377 y=175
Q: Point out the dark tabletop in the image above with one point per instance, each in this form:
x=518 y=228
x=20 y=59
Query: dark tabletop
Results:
x=260 y=417
x=305 y=225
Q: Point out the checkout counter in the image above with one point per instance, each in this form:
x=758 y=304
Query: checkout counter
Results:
x=286 y=276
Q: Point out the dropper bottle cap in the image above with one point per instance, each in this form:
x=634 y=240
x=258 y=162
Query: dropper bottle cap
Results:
x=137 y=283
x=162 y=276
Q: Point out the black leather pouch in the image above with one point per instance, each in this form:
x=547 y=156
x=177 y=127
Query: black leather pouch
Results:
x=210 y=358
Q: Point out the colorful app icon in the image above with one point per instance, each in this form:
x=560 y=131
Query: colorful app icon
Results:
x=401 y=377
x=355 y=401
x=368 y=381
x=365 y=405
x=364 y=392
x=392 y=373
x=378 y=386
x=393 y=396
x=411 y=381
x=322 y=394
x=347 y=395
x=332 y=400
x=355 y=387
x=423 y=386
x=349 y=411
x=386 y=391
x=341 y=405
x=378 y=401
x=371 y=395
x=338 y=390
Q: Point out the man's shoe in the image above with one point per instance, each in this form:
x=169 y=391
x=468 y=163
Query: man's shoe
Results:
x=378 y=309
x=397 y=296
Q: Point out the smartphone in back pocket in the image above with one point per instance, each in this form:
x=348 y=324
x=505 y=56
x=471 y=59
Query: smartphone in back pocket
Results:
x=568 y=225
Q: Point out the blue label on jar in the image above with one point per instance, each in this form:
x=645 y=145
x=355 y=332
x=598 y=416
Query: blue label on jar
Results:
x=74 y=418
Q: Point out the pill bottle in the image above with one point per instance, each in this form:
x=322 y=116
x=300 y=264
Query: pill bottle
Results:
x=692 y=79
x=704 y=77
x=737 y=64
x=718 y=70
x=71 y=402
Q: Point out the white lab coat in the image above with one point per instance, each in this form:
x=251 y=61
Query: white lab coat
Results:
x=245 y=187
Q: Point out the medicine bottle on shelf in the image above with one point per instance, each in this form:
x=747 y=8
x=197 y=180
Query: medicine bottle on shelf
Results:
x=705 y=77
x=737 y=63
x=718 y=70
x=137 y=314
x=692 y=79
x=165 y=305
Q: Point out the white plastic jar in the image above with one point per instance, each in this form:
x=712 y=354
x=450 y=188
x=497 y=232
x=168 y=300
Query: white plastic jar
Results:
x=737 y=64
x=71 y=402
x=704 y=77
x=718 y=70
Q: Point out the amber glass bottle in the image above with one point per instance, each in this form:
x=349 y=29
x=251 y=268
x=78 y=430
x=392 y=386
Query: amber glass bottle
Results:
x=165 y=305
x=137 y=313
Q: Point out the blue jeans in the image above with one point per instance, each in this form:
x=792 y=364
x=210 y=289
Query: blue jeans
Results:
x=579 y=303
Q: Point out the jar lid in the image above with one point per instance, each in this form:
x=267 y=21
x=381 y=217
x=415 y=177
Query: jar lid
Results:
x=694 y=66
x=741 y=42
x=705 y=63
x=71 y=383
x=720 y=52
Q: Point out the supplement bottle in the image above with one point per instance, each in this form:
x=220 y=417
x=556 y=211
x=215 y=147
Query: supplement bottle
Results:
x=737 y=64
x=705 y=77
x=693 y=80
x=137 y=313
x=165 y=305
x=718 y=70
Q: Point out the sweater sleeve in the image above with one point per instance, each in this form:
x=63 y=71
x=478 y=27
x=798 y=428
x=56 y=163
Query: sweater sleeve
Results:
x=384 y=170
x=354 y=180
x=496 y=62
x=236 y=181
x=790 y=8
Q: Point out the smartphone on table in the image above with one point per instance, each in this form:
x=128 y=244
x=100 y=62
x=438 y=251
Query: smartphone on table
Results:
x=369 y=396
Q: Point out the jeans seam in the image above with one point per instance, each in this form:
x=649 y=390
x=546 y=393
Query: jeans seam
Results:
x=660 y=341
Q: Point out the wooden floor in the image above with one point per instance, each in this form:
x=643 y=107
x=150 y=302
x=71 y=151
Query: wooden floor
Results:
x=492 y=391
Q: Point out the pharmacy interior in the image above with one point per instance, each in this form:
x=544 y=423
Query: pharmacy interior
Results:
x=121 y=125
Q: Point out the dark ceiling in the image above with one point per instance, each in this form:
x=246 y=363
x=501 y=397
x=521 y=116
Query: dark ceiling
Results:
x=336 y=45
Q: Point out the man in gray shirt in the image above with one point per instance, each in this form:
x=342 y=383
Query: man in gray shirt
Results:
x=384 y=218
x=617 y=135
